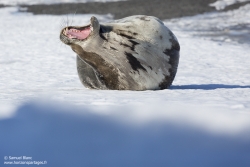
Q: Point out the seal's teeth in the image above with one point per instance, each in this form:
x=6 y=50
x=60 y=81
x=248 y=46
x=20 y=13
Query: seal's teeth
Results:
x=65 y=31
x=91 y=28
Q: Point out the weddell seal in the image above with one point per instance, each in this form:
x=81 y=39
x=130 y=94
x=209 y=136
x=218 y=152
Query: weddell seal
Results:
x=133 y=53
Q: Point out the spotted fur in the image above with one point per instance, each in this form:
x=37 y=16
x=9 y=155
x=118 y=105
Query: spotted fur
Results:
x=134 y=53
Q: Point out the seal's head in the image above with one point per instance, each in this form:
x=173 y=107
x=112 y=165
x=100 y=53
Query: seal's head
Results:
x=92 y=69
x=75 y=34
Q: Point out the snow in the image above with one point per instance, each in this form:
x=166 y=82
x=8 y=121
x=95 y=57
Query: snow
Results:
x=80 y=137
x=221 y=4
x=231 y=26
x=33 y=2
x=203 y=120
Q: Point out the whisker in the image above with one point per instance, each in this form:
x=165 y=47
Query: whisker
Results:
x=67 y=20
x=64 y=21
x=71 y=23
x=61 y=24
x=73 y=17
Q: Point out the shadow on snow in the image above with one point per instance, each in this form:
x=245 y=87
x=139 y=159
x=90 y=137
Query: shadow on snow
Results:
x=208 y=86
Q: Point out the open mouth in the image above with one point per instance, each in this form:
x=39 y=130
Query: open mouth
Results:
x=80 y=33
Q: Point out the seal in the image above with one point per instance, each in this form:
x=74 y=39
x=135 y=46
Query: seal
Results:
x=134 y=53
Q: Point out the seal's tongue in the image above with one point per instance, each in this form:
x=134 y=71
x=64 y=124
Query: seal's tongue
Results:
x=79 y=34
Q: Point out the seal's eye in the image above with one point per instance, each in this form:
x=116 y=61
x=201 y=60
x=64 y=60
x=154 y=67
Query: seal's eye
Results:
x=77 y=33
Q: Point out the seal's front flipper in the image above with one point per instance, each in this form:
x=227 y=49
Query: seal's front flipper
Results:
x=88 y=76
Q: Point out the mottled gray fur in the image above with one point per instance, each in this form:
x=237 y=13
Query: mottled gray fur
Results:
x=134 y=53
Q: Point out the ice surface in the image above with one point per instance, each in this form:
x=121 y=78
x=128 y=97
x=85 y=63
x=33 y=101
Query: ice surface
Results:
x=64 y=137
x=32 y=2
x=221 y=4
x=231 y=26
x=203 y=120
